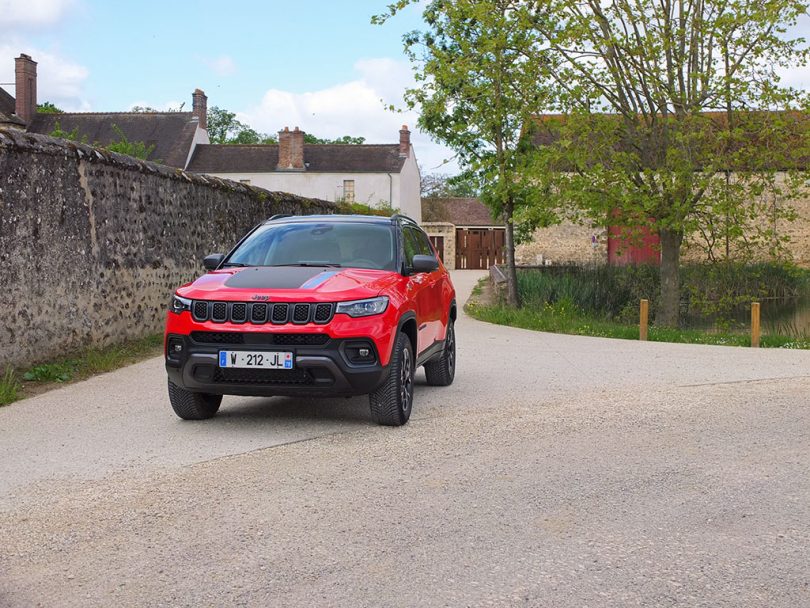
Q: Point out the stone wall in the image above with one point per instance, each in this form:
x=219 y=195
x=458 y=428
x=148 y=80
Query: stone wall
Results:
x=92 y=243
x=565 y=244
x=448 y=232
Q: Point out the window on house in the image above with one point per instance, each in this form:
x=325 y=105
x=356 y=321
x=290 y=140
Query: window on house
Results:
x=244 y=181
x=348 y=190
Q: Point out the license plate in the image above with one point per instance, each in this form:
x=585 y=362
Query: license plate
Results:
x=255 y=360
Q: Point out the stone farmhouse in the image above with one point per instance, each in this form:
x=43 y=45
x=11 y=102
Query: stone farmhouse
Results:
x=379 y=175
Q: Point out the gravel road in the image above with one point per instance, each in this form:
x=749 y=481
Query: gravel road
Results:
x=556 y=471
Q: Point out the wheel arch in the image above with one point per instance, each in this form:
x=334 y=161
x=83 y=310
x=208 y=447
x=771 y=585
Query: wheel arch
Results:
x=407 y=325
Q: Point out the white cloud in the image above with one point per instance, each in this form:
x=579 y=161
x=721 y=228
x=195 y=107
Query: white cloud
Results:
x=32 y=14
x=59 y=80
x=357 y=108
x=222 y=66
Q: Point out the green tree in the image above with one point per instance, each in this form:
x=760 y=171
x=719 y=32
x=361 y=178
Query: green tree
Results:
x=478 y=83
x=136 y=149
x=46 y=107
x=668 y=116
x=439 y=185
x=346 y=139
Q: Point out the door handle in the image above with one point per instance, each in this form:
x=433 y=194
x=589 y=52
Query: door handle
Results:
x=422 y=326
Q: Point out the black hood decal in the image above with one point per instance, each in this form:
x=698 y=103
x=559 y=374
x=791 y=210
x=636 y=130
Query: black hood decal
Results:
x=279 y=277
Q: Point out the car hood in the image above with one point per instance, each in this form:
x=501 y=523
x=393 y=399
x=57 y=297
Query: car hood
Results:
x=289 y=283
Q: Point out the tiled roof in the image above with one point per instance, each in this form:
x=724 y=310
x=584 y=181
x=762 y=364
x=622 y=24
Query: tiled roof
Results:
x=8 y=108
x=458 y=211
x=764 y=127
x=170 y=132
x=323 y=158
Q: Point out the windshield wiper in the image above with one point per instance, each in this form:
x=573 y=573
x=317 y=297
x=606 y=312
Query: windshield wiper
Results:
x=235 y=265
x=312 y=264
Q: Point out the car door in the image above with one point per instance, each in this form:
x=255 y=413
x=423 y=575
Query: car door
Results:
x=419 y=289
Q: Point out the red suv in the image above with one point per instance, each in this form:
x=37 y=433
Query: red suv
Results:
x=314 y=305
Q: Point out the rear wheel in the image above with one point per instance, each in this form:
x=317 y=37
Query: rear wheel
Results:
x=193 y=406
x=392 y=402
x=441 y=371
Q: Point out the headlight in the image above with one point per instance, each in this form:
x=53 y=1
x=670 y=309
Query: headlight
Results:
x=363 y=308
x=179 y=304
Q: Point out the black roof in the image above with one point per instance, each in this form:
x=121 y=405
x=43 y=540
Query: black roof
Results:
x=171 y=133
x=324 y=158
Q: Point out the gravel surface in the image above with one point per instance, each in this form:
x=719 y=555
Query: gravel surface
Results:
x=556 y=471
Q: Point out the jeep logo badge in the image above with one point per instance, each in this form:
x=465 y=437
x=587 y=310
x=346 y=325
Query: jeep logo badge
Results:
x=260 y=298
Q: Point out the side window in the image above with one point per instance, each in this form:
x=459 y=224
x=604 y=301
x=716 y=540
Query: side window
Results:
x=411 y=244
x=424 y=244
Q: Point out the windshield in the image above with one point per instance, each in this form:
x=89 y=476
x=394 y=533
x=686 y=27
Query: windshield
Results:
x=346 y=245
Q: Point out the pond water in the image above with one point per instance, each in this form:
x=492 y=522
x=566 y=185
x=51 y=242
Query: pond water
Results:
x=787 y=317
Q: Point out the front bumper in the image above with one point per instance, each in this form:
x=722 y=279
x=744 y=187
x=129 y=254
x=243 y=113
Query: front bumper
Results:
x=319 y=368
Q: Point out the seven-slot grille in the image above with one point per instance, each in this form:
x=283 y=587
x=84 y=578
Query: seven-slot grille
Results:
x=258 y=313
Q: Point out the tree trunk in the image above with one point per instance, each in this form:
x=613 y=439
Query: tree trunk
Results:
x=669 y=306
x=512 y=295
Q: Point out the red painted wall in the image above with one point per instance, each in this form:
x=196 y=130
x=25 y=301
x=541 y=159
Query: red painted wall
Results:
x=623 y=250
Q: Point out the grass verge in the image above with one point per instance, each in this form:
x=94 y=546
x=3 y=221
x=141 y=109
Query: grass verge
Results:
x=565 y=318
x=19 y=384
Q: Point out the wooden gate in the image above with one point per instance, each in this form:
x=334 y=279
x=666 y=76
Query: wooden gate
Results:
x=438 y=245
x=479 y=248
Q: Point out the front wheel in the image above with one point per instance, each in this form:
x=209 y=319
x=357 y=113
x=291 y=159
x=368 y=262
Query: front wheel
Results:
x=193 y=406
x=392 y=402
x=441 y=371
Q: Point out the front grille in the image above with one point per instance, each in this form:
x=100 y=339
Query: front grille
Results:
x=262 y=376
x=300 y=339
x=323 y=312
x=258 y=313
x=200 y=311
x=279 y=313
x=218 y=337
x=219 y=312
x=238 y=312
x=300 y=313
x=233 y=337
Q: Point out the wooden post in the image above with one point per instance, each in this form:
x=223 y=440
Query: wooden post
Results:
x=643 y=315
x=755 y=324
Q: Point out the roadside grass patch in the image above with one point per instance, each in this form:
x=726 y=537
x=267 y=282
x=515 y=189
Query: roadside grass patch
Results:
x=9 y=387
x=18 y=384
x=566 y=317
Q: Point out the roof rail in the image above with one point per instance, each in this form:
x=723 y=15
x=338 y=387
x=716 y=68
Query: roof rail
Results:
x=279 y=216
x=400 y=216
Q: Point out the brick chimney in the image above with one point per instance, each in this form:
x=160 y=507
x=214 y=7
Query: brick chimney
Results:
x=25 y=70
x=404 y=141
x=291 y=150
x=200 y=107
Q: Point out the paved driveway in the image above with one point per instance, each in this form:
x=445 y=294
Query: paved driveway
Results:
x=556 y=471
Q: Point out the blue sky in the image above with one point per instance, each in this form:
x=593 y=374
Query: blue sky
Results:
x=319 y=65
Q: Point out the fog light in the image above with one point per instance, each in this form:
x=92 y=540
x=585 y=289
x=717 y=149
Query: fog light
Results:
x=363 y=352
x=178 y=348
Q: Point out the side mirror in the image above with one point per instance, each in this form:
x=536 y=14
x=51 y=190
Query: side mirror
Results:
x=211 y=262
x=424 y=263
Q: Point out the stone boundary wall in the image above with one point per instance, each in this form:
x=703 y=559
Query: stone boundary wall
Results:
x=448 y=232
x=93 y=243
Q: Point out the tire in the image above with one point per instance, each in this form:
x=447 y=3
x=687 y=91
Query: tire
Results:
x=441 y=371
x=392 y=402
x=193 y=406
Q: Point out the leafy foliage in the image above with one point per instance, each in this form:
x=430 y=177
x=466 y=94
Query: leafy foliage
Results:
x=136 y=149
x=477 y=74
x=46 y=107
x=668 y=120
x=9 y=387
x=438 y=185
x=225 y=128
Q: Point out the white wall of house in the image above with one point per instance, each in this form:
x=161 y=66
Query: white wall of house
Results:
x=410 y=202
x=200 y=137
x=399 y=190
